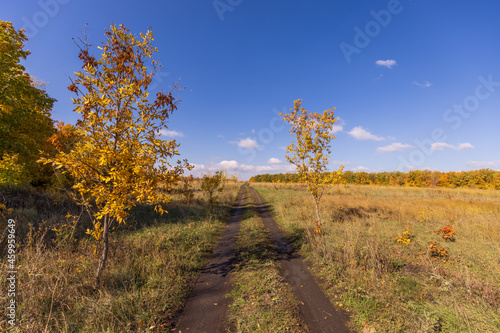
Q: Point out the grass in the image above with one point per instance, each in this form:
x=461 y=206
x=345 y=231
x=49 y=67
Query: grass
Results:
x=262 y=301
x=395 y=287
x=154 y=261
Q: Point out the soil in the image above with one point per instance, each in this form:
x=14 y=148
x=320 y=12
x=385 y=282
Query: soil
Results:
x=206 y=307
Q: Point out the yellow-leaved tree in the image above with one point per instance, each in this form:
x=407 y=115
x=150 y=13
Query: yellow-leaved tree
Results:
x=213 y=184
x=119 y=158
x=25 y=114
x=309 y=152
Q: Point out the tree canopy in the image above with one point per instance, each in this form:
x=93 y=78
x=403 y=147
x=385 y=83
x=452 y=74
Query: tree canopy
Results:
x=119 y=158
x=25 y=119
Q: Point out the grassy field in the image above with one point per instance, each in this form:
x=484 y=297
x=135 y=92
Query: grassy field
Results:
x=154 y=261
x=422 y=283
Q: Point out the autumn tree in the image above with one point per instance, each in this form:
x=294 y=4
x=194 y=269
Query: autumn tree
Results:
x=187 y=189
x=119 y=158
x=25 y=119
x=309 y=152
x=213 y=185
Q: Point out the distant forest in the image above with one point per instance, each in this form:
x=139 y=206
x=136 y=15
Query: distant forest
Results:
x=484 y=178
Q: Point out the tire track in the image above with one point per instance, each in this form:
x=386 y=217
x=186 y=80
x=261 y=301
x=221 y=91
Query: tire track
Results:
x=316 y=310
x=206 y=307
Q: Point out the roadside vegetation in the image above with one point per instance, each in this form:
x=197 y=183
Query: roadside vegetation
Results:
x=401 y=259
x=154 y=262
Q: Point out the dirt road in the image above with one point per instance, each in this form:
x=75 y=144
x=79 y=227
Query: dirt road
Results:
x=205 y=309
x=316 y=310
x=207 y=305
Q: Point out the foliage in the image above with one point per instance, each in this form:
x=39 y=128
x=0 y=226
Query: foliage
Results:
x=435 y=250
x=234 y=178
x=187 y=189
x=309 y=152
x=406 y=237
x=483 y=178
x=447 y=232
x=64 y=138
x=25 y=123
x=11 y=172
x=119 y=159
x=213 y=184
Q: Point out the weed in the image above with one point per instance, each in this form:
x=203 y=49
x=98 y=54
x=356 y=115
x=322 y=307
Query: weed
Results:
x=447 y=232
x=436 y=251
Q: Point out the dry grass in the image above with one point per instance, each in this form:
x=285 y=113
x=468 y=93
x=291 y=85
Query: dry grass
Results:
x=154 y=261
x=392 y=286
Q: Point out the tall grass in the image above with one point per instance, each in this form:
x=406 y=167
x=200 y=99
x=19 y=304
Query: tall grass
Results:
x=153 y=263
x=391 y=286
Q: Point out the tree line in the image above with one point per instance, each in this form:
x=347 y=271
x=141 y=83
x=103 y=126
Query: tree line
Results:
x=483 y=178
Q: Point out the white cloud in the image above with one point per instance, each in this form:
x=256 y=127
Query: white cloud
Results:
x=465 y=145
x=248 y=143
x=444 y=145
x=342 y=163
x=273 y=160
x=484 y=164
x=234 y=166
x=360 y=133
x=198 y=167
x=386 y=63
x=171 y=134
x=425 y=84
x=360 y=168
x=440 y=146
x=220 y=136
x=396 y=146
x=338 y=126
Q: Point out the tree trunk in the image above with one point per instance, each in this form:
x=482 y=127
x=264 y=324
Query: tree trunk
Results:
x=317 y=211
x=104 y=251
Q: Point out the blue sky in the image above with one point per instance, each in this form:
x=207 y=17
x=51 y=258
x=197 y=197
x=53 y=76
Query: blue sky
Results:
x=415 y=83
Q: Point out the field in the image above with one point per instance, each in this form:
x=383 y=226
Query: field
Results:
x=385 y=256
x=152 y=266
x=396 y=259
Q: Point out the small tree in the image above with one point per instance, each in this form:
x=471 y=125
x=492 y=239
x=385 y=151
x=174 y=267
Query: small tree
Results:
x=187 y=189
x=119 y=158
x=309 y=152
x=234 y=178
x=213 y=184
